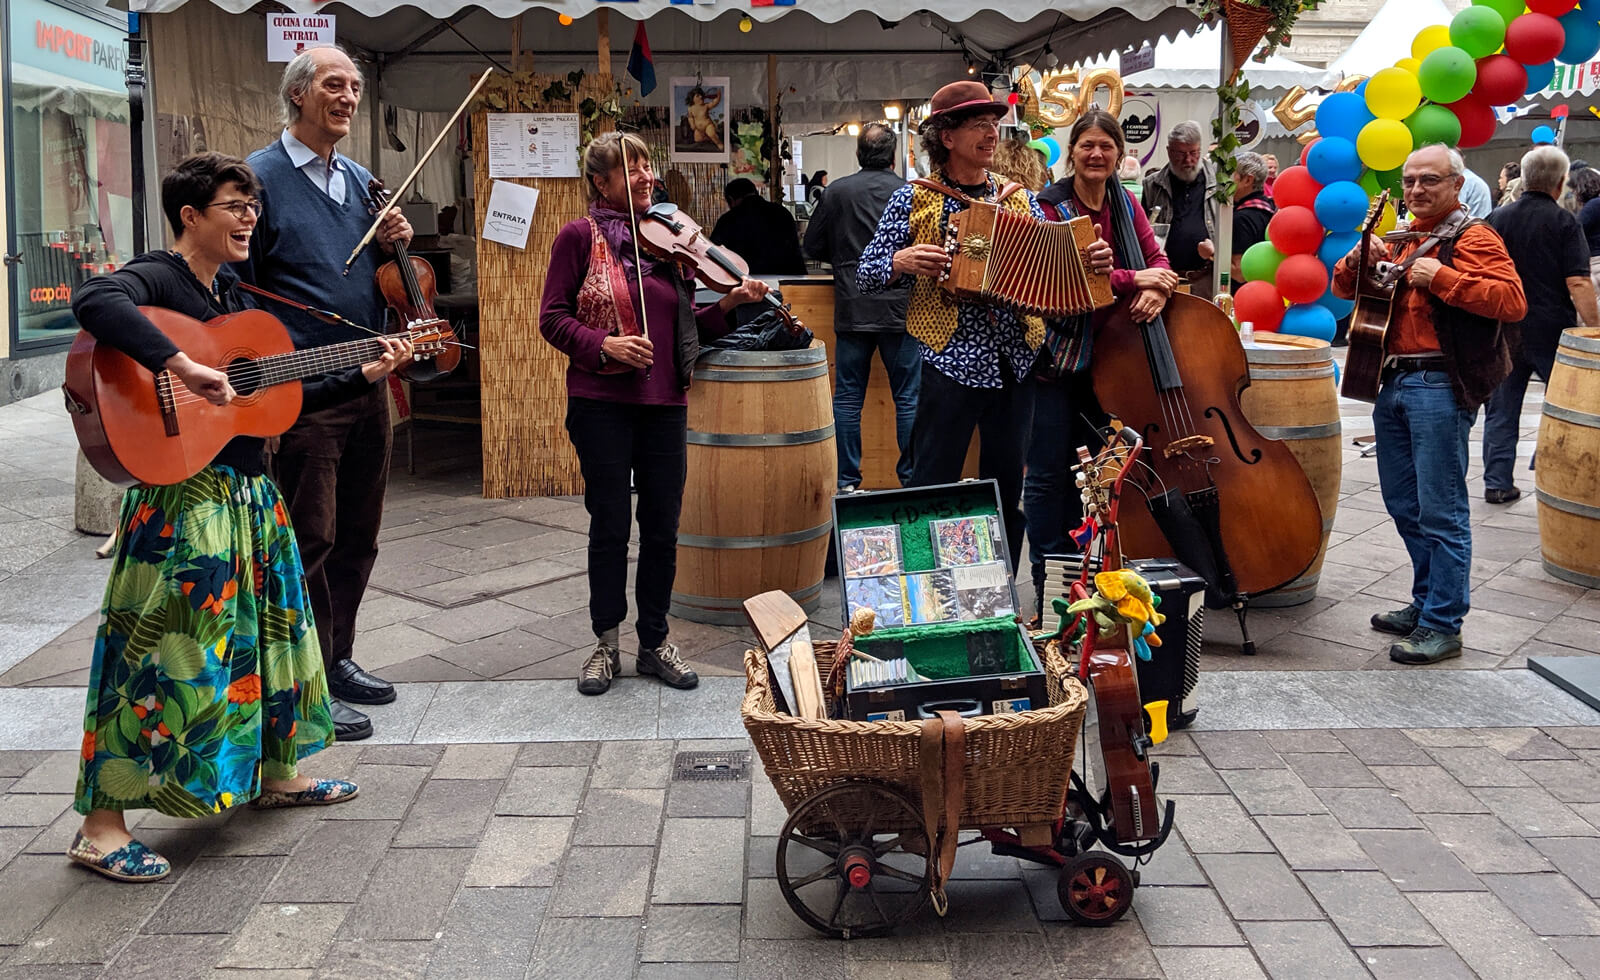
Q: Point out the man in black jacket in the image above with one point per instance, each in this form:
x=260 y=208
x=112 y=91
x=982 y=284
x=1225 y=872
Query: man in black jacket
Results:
x=843 y=224
x=761 y=232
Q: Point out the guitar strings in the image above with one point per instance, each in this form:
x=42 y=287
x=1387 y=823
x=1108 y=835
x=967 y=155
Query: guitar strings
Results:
x=274 y=369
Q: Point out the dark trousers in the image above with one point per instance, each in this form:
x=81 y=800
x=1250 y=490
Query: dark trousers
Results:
x=333 y=468
x=1066 y=415
x=614 y=439
x=902 y=356
x=947 y=411
x=1502 y=417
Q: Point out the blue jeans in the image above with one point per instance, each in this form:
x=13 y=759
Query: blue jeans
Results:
x=1066 y=415
x=1422 y=470
x=852 y=360
x=1502 y=419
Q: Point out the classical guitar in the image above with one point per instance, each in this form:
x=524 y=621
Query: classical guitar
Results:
x=1134 y=815
x=1369 y=321
x=139 y=427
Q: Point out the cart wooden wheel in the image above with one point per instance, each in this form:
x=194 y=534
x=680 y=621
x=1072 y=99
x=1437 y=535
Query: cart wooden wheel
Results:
x=854 y=860
x=1095 y=888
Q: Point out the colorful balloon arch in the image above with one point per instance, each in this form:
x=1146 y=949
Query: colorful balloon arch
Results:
x=1492 y=54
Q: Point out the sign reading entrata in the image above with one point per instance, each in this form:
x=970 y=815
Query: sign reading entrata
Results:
x=290 y=34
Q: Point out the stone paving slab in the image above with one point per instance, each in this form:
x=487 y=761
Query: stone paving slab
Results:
x=453 y=879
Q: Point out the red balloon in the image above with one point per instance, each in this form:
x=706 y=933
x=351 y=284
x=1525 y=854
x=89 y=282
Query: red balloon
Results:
x=1501 y=80
x=1477 y=121
x=1305 y=155
x=1295 y=187
x=1260 y=304
x=1552 y=8
x=1294 y=231
x=1302 y=279
x=1534 y=39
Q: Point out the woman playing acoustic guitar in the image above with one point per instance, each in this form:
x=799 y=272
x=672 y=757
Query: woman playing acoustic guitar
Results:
x=206 y=686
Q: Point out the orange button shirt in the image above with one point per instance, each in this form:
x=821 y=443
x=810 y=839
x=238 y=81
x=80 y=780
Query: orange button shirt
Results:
x=1483 y=281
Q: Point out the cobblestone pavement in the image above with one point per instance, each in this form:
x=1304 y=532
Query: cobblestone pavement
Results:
x=1320 y=854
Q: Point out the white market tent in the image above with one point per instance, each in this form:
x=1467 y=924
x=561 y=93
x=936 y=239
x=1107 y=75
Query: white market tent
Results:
x=1388 y=37
x=1194 y=60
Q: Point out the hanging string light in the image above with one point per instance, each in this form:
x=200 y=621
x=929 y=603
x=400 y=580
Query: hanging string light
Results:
x=565 y=20
x=745 y=23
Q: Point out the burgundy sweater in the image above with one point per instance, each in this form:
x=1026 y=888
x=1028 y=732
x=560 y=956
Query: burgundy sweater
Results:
x=559 y=323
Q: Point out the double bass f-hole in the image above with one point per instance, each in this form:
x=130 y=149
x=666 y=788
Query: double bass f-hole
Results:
x=1255 y=454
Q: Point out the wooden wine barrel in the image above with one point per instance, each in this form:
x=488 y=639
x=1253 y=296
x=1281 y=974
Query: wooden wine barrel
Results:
x=1567 y=477
x=762 y=473
x=1293 y=397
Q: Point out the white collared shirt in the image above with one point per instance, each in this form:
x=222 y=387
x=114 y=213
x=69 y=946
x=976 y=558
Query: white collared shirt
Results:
x=328 y=177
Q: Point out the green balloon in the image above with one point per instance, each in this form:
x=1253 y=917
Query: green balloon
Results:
x=1389 y=180
x=1508 y=10
x=1447 y=75
x=1434 y=124
x=1479 y=31
x=1369 y=182
x=1260 y=262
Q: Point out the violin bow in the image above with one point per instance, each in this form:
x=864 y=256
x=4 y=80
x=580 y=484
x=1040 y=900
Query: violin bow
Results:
x=394 y=198
x=638 y=261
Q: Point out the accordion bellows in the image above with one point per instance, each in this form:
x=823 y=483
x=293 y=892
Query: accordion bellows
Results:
x=1036 y=267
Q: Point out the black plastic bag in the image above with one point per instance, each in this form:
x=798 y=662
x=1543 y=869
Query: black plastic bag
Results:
x=767 y=331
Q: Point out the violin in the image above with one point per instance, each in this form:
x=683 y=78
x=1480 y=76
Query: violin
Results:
x=668 y=233
x=408 y=286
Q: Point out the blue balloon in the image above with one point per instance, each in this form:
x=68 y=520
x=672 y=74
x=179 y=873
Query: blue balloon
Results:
x=1341 y=206
x=1361 y=90
x=1336 y=246
x=1054 y=146
x=1342 y=114
x=1583 y=37
x=1309 y=320
x=1539 y=76
x=1333 y=159
x=1340 y=308
x=1543 y=135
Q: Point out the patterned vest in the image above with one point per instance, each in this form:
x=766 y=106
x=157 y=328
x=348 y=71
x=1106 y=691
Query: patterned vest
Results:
x=931 y=313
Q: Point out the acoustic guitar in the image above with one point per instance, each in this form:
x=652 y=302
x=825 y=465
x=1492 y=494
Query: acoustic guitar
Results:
x=138 y=427
x=1369 y=322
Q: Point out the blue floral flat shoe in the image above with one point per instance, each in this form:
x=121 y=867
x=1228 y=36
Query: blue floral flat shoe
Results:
x=325 y=792
x=130 y=862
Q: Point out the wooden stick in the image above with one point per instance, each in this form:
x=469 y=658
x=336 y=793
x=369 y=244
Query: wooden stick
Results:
x=516 y=43
x=775 y=158
x=399 y=192
x=602 y=27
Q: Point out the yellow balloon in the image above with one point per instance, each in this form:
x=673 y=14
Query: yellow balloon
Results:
x=1429 y=40
x=1384 y=144
x=1389 y=220
x=1393 y=93
x=1411 y=65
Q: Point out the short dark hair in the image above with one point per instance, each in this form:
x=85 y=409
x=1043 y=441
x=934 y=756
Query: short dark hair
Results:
x=875 y=147
x=196 y=180
x=738 y=189
x=1512 y=170
x=1586 y=184
x=1102 y=120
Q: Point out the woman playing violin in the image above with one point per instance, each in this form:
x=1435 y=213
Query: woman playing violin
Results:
x=1066 y=413
x=206 y=686
x=629 y=325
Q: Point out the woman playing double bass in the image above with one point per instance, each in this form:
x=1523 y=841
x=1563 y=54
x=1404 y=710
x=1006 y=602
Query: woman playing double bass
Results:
x=1066 y=414
x=627 y=322
x=206 y=687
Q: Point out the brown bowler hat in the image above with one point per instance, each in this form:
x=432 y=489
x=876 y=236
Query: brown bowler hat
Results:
x=966 y=96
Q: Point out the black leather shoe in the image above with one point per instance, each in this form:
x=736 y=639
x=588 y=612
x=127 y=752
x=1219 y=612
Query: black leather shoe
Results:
x=1501 y=496
x=349 y=725
x=348 y=682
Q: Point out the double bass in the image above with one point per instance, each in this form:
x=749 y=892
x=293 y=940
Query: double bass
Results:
x=1225 y=500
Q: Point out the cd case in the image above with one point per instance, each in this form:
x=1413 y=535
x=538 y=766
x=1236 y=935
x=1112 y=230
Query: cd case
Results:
x=983 y=591
x=883 y=594
x=870 y=551
x=964 y=541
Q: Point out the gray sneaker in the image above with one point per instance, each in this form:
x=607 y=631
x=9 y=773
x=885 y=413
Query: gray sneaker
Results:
x=599 y=669
x=1426 y=646
x=664 y=662
x=1400 y=622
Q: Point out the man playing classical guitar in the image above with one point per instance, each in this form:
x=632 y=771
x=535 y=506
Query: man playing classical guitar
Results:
x=1454 y=286
x=334 y=464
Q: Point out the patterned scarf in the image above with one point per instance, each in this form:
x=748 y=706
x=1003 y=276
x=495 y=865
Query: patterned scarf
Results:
x=1070 y=342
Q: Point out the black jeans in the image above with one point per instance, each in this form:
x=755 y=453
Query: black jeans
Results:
x=1066 y=415
x=947 y=411
x=614 y=439
x=333 y=468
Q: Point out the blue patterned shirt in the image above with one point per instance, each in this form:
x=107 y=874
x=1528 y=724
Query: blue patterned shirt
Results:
x=982 y=331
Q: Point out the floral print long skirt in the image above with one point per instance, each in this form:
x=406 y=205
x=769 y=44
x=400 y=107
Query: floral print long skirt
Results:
x=207 y=674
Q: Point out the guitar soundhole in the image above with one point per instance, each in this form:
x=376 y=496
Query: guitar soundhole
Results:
x=245 y=376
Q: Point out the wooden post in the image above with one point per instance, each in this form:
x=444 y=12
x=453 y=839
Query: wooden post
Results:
x=775 y=154
x=602 y=27
x=516 y=43
x=1221 y=274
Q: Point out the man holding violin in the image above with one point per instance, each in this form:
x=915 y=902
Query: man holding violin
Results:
x=977 y=359
x=333 y=464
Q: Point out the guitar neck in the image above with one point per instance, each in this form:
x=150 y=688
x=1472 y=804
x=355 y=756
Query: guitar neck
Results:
x=277 y=369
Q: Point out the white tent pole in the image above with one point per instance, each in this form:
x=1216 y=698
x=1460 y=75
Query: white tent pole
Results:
x=1224 y=240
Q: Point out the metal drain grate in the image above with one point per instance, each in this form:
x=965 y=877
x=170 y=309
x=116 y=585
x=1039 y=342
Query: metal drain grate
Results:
x=711 y=766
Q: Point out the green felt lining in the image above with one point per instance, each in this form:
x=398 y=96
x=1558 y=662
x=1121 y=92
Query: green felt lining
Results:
x=912 y=517
x=939 y=650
